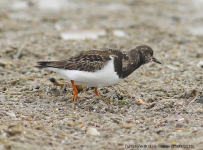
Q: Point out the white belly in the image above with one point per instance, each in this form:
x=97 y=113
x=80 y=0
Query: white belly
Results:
x=104 y=77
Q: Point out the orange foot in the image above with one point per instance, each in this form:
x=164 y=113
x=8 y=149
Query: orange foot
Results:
x=96 y=92
x=106 y=99
x=75 y=94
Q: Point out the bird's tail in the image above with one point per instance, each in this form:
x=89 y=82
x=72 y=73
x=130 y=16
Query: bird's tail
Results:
x=44 y=64
x=53 y=64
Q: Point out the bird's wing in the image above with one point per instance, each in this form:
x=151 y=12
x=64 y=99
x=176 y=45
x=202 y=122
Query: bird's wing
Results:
x=90 y=61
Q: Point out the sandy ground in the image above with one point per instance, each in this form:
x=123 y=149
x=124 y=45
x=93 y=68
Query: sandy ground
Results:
x=35 y=114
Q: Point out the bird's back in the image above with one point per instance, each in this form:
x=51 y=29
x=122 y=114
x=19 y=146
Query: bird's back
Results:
x=89 y=61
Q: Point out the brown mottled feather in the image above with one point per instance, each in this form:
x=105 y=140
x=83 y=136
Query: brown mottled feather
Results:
x=90 y=61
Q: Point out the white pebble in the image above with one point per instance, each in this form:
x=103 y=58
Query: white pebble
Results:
x=92 y=131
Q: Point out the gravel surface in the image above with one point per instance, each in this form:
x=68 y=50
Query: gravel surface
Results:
x=158 y=106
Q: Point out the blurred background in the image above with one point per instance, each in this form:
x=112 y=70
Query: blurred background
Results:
x=123 y=24
x=35 y=114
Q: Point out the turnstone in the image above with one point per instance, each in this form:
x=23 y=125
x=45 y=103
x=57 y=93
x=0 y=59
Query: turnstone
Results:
x=99 y=68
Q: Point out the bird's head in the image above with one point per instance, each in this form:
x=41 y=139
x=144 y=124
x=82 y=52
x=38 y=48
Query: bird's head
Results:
x=146 y=54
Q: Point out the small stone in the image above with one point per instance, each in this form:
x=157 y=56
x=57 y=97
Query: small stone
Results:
x=92 y=131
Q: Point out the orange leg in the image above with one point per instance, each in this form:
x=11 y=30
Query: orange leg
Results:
x=75 y=94
x=96 y=92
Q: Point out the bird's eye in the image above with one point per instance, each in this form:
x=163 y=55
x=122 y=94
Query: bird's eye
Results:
x=151 y=52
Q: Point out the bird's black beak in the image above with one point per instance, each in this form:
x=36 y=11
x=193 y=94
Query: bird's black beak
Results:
x=155 y=60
